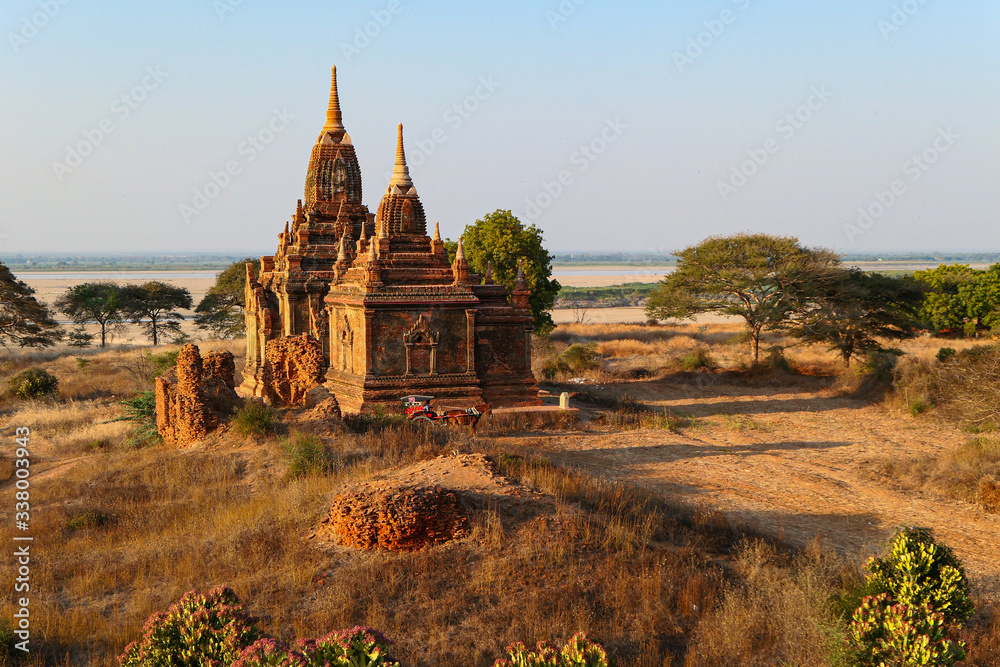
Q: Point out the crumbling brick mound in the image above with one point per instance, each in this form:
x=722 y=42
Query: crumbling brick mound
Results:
x=222 y=366
x=293 y=366
x=219 y=382
x=396 y=517
x=192 y=397
x=183 y=416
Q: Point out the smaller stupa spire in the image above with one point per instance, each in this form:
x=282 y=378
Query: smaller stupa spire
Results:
x=334 y=119
x=520 y=284
x=400 y=173
x=437 y=231
x=489 y=273
x=342 y=253
x=460 y=253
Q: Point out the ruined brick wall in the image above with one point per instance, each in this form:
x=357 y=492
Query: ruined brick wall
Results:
x=183 y=415
x=293 y=366
x=191 y=396
x=394 y=517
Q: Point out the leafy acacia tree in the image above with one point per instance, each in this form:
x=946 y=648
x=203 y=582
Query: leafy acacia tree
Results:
x=760 y=278
x=95 y=302
x=154 y=305
x=24 y=321
x=221 y=310
x=981 y=298
x=853 y=311
x=502 y=240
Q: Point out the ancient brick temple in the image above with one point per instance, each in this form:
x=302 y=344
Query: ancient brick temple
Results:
x=393 y=316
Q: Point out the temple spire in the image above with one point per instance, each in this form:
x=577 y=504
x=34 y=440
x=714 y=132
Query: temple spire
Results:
x=460 y=253
x=437 y=231
x=400 y=173
x=334 y=119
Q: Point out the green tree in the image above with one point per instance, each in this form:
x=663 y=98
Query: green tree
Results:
x=855 y=311
x=760 y=278
x=24 y=320
x=221 y=310
x=945 y=305
x=94 y=302
x=981 y=298
x=154 y=305
x=502 y=240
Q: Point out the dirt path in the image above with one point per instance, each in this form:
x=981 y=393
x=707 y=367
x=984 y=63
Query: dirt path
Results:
x=794 y=463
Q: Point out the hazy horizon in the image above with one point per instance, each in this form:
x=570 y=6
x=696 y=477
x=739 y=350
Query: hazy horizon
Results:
x=639 y=128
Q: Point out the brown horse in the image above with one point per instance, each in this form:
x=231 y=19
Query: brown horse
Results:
x=469 y=417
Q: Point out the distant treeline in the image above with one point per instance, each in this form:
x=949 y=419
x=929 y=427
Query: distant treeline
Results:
x=614 y=296
x=123 y=262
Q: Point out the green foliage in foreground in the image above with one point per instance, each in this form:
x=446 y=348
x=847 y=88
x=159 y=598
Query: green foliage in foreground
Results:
x=214 y=630
x=33 y=383
x=578 y=652
x=919 y=595
x=254 y=418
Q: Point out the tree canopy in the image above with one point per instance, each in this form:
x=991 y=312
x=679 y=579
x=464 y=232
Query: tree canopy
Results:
x=100 y=302
x=154 y=306
x=502 y=240
x=854 y=311
x=24 y=320
x=221 y=310
x=761 y=278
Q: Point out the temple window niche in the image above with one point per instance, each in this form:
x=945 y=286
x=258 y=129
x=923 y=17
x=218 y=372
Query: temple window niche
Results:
x=421 y=348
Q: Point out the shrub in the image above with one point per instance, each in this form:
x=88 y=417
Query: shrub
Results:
x=140 y=409
x=919 y=594
x=254 y=418
x=33 y=383
x=578 y=652
x=697 y=359
x=80 y=338
x=270 y=653
x=89 y=519
x=197 y=630
x=306 y=456
x=946 y=353
x=349 y=648
x=581 y=357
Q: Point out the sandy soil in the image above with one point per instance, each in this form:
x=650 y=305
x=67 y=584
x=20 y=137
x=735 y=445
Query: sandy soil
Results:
x=798 y=463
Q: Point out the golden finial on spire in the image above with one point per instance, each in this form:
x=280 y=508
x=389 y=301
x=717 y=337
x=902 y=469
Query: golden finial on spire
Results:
x=334 y=119
x=437 y=231
x=400 y=173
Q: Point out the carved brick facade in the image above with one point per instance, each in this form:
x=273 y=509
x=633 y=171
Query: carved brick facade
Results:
x=390 y=313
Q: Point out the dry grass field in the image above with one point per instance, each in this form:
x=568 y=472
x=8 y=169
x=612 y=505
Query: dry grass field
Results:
x=705 y=513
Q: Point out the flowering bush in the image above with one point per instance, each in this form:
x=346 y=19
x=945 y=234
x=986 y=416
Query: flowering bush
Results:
x=270 y=653
x=578 y=652
x=357 y=647
x=197 y=631
x=919 y=593
x=899 y=634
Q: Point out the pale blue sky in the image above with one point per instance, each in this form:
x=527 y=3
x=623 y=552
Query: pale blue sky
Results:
x=673 y=129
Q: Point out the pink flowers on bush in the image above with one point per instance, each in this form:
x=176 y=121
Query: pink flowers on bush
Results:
x=213 y=631
x=578 y=652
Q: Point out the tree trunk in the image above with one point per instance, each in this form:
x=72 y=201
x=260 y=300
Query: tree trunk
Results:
x=152 y=324
x=104 y=327
x=755 y=344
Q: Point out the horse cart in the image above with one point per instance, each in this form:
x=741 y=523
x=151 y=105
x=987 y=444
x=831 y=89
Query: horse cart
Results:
x=418 y=409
